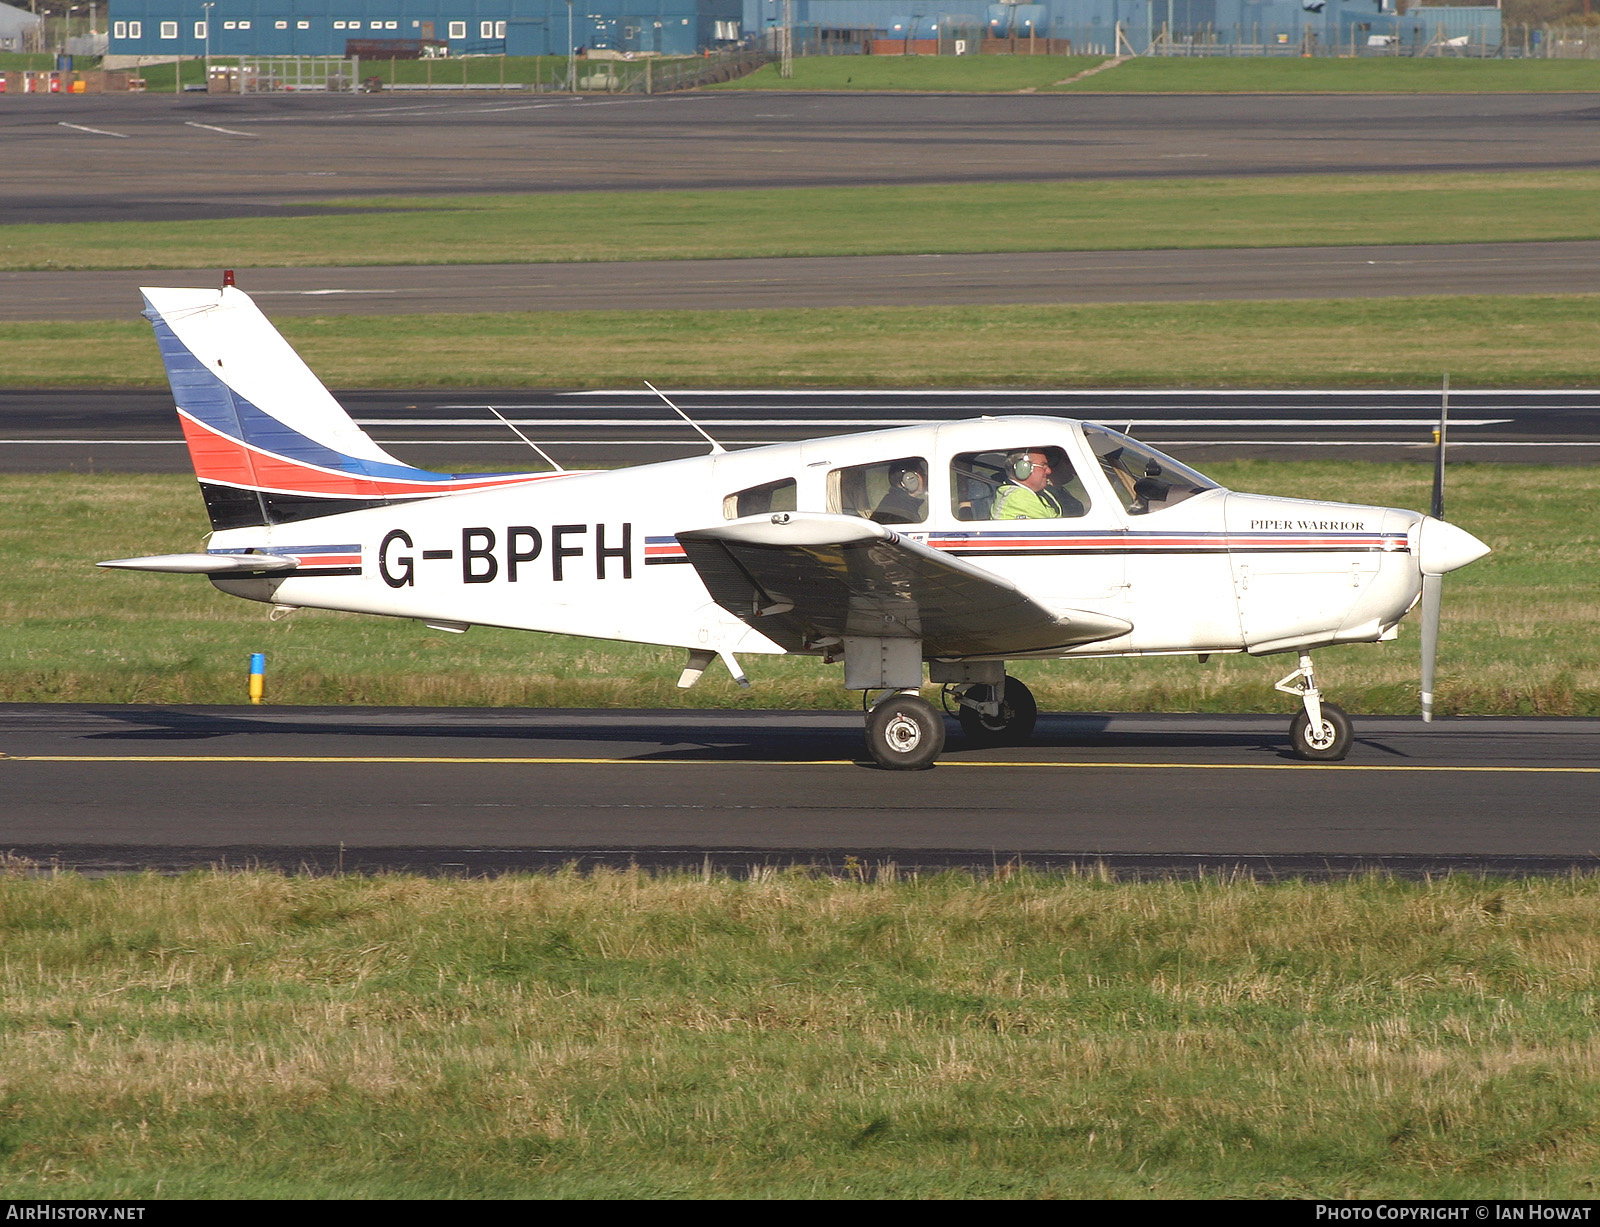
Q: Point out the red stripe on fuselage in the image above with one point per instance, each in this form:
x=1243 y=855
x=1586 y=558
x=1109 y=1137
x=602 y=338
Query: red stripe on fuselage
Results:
x=219 y=458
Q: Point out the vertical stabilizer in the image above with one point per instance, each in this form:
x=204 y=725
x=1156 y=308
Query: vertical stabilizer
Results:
x=269 y=443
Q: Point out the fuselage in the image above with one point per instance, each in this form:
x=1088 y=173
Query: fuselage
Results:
x=1192 y=567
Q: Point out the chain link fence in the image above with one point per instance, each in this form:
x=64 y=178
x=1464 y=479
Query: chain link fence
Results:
x=297 y=74
x=663 y=76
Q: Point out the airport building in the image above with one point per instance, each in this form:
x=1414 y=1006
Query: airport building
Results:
x=453 y=27
x=1091 y=25
x=683 y=27
x=19 y=29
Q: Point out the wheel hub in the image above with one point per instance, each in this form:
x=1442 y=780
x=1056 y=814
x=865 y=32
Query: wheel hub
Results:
x=903 y=734
x=1322 y=737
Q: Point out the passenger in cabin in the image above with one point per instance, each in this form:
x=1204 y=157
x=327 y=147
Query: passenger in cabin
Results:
x=1026 y=494
x=907 y=500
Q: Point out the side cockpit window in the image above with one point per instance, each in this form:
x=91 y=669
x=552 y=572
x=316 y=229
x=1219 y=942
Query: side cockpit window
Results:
x=889 y=492
x=1027 y=483
x=1144 y=479
x=758 y=500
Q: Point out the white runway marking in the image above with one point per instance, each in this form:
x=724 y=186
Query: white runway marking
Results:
x=1083 y=394
x=189 y=123
x=97 y=442
x=765 y=442
x=1314 y=422
x=121 y=136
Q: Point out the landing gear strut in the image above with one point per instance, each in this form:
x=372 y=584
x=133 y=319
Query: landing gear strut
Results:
x=904 y=732
x=990 y=719
x=1320 y=731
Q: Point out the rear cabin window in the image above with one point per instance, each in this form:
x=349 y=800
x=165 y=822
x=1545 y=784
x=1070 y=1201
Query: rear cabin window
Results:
x=1010 y=486
x=758 y=500
x=889 y=492
x=1144 y=479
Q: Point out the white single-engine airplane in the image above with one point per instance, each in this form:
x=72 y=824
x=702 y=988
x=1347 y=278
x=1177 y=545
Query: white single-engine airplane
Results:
x=959 y=544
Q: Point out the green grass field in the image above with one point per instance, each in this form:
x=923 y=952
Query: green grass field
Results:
x=247 y=1036
x=1504 y=341
x=1518 y=626
x=1331 y=75
x=1163 y=75
x=18 y=61
x=1272 y=211
x=919 y=73
x=1004 y=74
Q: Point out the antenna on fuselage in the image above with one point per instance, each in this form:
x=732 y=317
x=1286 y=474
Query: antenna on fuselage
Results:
x=716 y=448
x=543 y=455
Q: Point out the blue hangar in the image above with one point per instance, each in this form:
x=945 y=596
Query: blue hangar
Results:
x=510 y=27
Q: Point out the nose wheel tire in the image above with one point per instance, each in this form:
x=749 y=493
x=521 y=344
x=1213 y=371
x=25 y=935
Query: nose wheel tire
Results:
x=1011 y=727
x=1329 y=743
x=905 y=733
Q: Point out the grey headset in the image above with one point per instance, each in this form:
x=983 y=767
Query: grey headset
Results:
x=1020 y=466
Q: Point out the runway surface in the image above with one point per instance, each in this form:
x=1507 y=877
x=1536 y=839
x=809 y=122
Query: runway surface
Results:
x=840 y=281
x=482 y=790
x=196 y=156
x=55 y=430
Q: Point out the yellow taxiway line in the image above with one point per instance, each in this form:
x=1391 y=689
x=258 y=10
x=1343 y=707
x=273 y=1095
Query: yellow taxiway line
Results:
x=394 y=760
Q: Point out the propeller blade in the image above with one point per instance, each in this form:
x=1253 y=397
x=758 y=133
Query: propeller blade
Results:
x=1432 y=591
x=1437 y=511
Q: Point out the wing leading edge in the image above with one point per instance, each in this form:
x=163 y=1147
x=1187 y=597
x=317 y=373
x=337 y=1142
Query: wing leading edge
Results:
x=807 y=580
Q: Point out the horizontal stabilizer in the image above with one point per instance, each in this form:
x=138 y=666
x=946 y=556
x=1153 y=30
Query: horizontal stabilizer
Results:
x=808 y=580
x=204 y=564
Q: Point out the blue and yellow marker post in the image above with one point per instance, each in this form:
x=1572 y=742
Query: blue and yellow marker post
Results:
x=258 y=671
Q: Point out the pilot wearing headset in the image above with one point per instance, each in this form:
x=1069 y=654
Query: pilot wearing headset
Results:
x=907 y=500
x=1026 y=494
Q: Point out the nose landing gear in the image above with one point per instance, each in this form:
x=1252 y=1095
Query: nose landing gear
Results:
x=1320 y=731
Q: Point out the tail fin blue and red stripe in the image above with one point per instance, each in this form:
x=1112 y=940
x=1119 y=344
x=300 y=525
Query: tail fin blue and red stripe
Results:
x=269 y=443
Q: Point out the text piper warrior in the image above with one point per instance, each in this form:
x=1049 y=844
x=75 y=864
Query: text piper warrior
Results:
x=931 y=553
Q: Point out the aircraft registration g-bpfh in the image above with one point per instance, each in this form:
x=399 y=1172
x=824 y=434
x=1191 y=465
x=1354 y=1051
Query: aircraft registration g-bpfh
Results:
x=952 y=547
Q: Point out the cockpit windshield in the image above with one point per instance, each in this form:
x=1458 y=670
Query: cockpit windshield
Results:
x=1144 y=479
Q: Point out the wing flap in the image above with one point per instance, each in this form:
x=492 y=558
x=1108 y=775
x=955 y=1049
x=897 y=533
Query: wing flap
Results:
x=805 y=580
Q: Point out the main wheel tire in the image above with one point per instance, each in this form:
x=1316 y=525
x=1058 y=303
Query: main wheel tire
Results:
x=1014 y=725
x=905 y=733
x=1332 y=741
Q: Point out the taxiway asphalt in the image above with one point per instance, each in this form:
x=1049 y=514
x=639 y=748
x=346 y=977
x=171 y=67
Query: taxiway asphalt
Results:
x=481 y=790
x=1062 y=277
x=72 y=430
x=190 y=156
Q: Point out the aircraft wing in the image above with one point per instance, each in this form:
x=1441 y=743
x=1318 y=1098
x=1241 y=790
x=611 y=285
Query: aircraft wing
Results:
x=807 y=579
x=204 y=564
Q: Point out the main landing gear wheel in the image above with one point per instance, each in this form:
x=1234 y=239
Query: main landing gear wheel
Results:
x=1011 y=726
x=1329 y=743
x=905 y=733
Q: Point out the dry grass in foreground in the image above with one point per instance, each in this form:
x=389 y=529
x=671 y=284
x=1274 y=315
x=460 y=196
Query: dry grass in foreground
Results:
x=258 y=1036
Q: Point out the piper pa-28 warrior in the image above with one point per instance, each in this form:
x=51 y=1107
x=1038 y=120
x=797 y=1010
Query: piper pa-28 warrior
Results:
x=948 y=547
